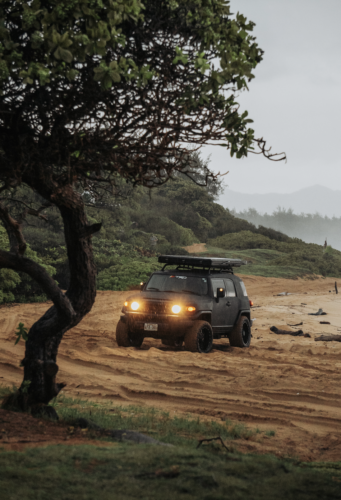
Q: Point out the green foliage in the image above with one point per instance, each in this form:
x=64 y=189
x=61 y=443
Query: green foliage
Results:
x=21 y=333
x=4 y=244
x=210 y=472
x=63 y=34
x=174 y=233
x=41 y=44
x=309 y=258
x=27 y=289
x=260 y=262
x=272 y=234
x=19 y=287
x=244 y=240
x=8 y=279
x=184 y=430
x=154 y=472
x=126 y=273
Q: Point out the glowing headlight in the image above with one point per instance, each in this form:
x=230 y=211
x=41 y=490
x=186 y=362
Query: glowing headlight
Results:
x=135 y=306
x=176 y=309
x=125 y=304
x=190 y=309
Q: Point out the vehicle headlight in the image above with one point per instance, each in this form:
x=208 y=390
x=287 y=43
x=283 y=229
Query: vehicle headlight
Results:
x=190 y=309
x=176 y=309
x=134 y=306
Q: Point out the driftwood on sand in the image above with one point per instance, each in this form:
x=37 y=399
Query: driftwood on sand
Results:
x=328 y=338
x=299 y=333
x=320 y=312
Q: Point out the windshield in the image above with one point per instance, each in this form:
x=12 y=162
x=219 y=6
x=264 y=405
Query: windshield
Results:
x=178 y=283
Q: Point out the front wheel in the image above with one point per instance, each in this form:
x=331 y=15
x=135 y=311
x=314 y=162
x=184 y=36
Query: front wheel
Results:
x=123 y=337
x=241 y=333
x=199 y=337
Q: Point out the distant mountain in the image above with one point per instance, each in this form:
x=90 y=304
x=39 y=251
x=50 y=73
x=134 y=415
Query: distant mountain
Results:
x=309 y=200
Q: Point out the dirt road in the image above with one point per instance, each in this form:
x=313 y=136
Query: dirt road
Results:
x=290 y=385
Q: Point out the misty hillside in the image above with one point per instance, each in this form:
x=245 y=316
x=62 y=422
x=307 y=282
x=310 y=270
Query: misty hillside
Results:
x=311 y=200
x=311 y=228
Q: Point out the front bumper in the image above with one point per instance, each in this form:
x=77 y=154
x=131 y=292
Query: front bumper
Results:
x=168 y=325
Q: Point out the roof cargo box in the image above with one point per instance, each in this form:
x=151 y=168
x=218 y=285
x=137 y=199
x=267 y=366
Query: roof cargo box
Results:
x=203 y=262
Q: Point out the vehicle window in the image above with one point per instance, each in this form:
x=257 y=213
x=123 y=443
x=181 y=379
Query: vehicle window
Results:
x=243 y=288
x=217 y=283
x=230 y=290
x=178 y=283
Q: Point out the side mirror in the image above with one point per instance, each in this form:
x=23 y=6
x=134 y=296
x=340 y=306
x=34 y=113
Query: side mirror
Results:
x=220 y=293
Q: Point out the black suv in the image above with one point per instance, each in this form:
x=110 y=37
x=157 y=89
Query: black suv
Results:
x=196 y=301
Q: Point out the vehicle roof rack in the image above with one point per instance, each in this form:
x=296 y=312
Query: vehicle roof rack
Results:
x=219 y=264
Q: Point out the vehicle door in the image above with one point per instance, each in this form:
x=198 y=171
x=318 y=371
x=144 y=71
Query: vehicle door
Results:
x=219 y=304
x=232 y=302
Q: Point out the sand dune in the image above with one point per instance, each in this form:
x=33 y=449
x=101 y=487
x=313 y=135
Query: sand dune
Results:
x=287 y=384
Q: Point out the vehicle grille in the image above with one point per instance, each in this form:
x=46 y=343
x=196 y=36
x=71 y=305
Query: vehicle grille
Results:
x=156 y=307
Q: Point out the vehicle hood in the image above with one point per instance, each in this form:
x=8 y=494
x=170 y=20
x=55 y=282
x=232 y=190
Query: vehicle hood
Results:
x=201 y=302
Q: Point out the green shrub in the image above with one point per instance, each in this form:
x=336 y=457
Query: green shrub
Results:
x=126 y=273
x=173 y=232
x=19 y=286
x=8 y=281
x=243 y=241
x=294 y=253
x=272 y=234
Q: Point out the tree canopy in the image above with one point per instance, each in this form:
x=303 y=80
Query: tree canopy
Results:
x=94 y=92
x=88 y=86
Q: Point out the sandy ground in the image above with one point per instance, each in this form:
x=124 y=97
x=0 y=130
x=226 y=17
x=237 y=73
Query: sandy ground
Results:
x=291 y=385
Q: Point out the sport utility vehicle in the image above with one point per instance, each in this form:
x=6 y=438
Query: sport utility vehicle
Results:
x=196 y=301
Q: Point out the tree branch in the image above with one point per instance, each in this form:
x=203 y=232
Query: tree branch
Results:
x=32 y=211
x=13 y=228
x=40 y=275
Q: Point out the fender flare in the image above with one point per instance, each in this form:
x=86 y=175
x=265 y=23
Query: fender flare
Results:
x=244 y=312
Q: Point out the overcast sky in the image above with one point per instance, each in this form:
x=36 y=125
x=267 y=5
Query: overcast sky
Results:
x=295 y=99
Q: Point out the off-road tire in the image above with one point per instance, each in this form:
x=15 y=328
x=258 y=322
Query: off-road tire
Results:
x=199 y=337
x=241 y=333
x=177 y=343
x=123 y=338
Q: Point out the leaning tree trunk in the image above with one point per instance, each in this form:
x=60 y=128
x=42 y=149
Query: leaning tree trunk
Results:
x=40 y=368
x=45 y=335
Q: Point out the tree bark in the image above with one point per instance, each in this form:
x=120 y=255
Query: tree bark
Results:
x=40 y=367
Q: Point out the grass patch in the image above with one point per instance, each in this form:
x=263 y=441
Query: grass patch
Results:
x=260 y=263
x=177 y=430
x=184 y=431
x=129 y=471
x=308 y=258
x=151 y=472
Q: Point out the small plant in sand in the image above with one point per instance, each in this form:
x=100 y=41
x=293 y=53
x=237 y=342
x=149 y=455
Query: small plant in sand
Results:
x=21 y=333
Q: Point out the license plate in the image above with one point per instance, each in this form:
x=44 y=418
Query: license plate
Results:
x=151 y=327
